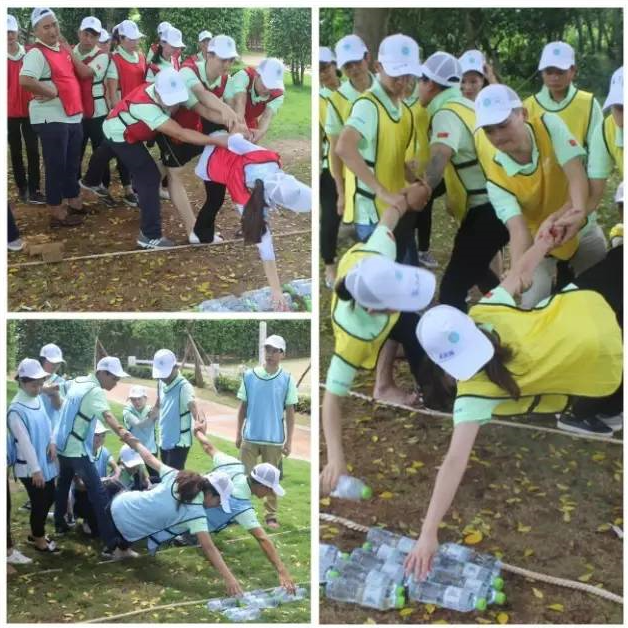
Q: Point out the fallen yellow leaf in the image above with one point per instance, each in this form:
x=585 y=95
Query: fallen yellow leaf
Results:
x=522 y=528
x=559 y=608
x=406 y=612
x=386 y=495
x=473 y=538
x=528 y=552
x=325 y=501
x=502 y=618
x=585 y=577
x=430 y=608
x=537 y=593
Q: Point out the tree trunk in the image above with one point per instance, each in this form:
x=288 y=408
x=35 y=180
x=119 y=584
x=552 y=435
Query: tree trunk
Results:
x=580 y=33
x=372 y=26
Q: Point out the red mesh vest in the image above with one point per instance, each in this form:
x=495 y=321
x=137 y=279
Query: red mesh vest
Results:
x=87 y=85
x=65 y=80
x=253 y=111
x=130 y=75
x=137 y=131
x=18 y=97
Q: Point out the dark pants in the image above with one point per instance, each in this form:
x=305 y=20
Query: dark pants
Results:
x=205 y=225
x=99 y=164
x=424 y=226
x=175 y=457
x=479 y=237
x=9 y=538
x=606 y=278
x=146 y=178
x=13 y=232
x=404 y=236
x=92 y=130
x=21 y=128
x=84 y=509
x=41 y=502
x=404 y=332
x=61 y=146
x=330 y=220
x=86 y=470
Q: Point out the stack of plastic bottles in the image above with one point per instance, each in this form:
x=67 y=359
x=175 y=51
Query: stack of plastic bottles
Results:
x=374 y=575
x=249 y=607
x=297 y=293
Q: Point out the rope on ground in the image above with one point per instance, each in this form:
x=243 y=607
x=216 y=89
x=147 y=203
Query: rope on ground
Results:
x=179 y=247
x=541 y=577
x=522 y=426
x=162 y=607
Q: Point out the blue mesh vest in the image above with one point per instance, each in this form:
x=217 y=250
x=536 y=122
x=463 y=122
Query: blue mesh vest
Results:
x=217 y=518
x=72 y=422
x=102 y=457
x=145 y=434
x=53 y=413
x=173 y=423
x=36 y=422
x=265 y=404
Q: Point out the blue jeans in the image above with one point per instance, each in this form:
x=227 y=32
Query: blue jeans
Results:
x=364 y=232
x=96 y=493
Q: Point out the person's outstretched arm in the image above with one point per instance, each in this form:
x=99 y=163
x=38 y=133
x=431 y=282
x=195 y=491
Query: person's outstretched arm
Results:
x=285 y=580
x=215 y=558
x=199 y=432
x=145 y=455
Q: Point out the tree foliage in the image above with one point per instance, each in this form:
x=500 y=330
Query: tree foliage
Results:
x=255 y=25
x=288 y=35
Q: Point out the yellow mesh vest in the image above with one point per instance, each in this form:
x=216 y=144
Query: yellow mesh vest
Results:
x=420 y=148
x=576 y=114
x=540 y=193
x=393 y=140
x=342 y=106
x=616 y=152
x=357 y=350
x=457 y=194
x=572 y=346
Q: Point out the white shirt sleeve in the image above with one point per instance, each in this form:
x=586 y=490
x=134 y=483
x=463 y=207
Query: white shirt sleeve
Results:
x=25 y=449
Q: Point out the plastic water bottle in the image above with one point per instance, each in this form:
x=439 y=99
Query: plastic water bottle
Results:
x=259 y=599
x=365 y=558
x=450 y=571
x=445 y=596
x=328 y=555
x=378 y=536
x=352 y=488
x=221 y=604
x=465 y=554
x=261 y=300
x=242 y=614
x=380 y=593
x=224 y=304
x=390 y=554
x=283 y=597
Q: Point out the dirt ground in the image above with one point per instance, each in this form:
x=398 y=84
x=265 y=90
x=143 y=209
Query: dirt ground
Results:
x=165 y=281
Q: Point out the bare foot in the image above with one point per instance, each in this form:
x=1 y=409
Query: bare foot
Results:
x=393 y=394
x=330 y=276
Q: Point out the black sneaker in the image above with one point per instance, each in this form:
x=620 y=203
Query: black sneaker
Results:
x=22 y=195
x=61 y=530
x=614 y=421
x=590 y=425
x=36 y=198
x=130 y=199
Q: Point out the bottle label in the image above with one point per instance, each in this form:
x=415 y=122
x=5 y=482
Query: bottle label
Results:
x=372 y=595
x=452 y=597
x=471 y=571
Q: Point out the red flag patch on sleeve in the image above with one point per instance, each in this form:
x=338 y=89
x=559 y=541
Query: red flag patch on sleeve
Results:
x=442 y=134
x=573 y=142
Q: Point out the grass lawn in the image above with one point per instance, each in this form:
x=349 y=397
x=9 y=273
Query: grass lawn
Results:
x=293 y=121
x=80 y=589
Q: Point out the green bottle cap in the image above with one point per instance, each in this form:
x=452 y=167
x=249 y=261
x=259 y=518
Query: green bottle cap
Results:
x=343 y=556
x=498 y=583
x=367 y=492
x=400 y=601
x=480 y=605
x=332 y=574
x=368 y=546
x=399 y=590
x=500 y=597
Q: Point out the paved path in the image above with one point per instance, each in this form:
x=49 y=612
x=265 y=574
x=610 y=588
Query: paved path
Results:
x=222 y=420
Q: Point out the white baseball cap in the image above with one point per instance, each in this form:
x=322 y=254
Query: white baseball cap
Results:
x=350 y=48
x=39 y=13
x=271 y=72
x=275 y=341
x=268 y=475
x=31 y=368
x=171 y=87
x=442 y=68
x=104 y=37
x=285 y=190
x=399 y=56
x=12 y=24
x=619 y=193
x=472 y=61
x=100 y=428
x=452 y=340
x=379 y=283
x=112 y=365
x=326 y=55
x=163 y=26
x=494 y=104
x=52 y=353
x=204 y=35
x=557 y=54
x=173 y=36
x=224 y=487
x=137 y=391
x=223 y=47
x=164 y=360
x=129 y=29
x=129 y=457
x=616 y=89
x=91 y=22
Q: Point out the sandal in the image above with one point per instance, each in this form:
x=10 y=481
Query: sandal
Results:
x=69 y=221
x=30 y=539
x=272 y=523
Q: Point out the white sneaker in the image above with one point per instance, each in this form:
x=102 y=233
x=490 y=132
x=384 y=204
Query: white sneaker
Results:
x=217 y=239
x=16 y=245
x=193 y=238
x=86 y=528
x=120 y=554
x=427 y=259
x=17 y=558
x=164 y=195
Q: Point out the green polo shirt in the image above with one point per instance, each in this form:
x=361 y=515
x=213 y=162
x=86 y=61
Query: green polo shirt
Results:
x=94 y=403
x=448 y=129
x=36 y=66
x=127 y=478
x=333 y=124
x=21 y=51
x=291 y=398
x=240 y=83
x=100 y=65
x=191 y=80
x=364 y=118
x=340 y=375
x=565 y=147
x=162 y=65
x=185 y=396
x=151 y=114
x=241 y=490
x=601 y=163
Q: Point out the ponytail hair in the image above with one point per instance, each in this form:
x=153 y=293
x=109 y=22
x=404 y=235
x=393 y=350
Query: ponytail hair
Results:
x=342 y=291
x=496 y=369
x=158 y=53
x=190 y=484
